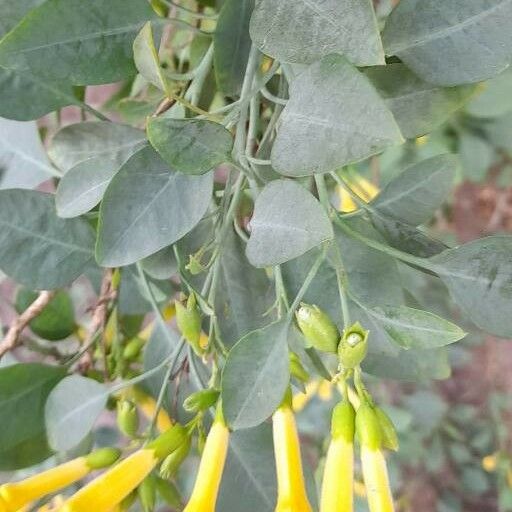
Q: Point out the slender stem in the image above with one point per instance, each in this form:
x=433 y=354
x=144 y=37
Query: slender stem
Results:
x=343 y=296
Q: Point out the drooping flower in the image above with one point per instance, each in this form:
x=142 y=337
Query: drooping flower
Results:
x=291 y=489
x=338 y=480
x=206 y=487
x=16 y=495
x=110 y=488
x=378 y=490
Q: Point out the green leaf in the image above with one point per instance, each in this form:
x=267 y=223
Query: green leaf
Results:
x=451 y=43
x=162 y=264
x=101 y=140
x=494 y=99
x=57 y=319
x=26 y=96
x=190 y=146
x=23 y=160
x=80 y=42
x=13 y=12
x=334 y=117
x=413 y=328
x=479 y=277
x=71 y=410
x=303 y=31
x=287 y=222
x=24 y=389
x=54 y=251
x=148 y=206
x=249 y=471
x=83 y=186
x=146 y=58
x=232 y=45
x=476 y=154
x=499 y=132
x=256 y=375
x=415 y=194
x=244 y=294
x=418 y=107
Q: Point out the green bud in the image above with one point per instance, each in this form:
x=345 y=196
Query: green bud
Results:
x=169 y=493
x=296 y=369
x=102 y=458
x=343 y=421
x=188 y=319
x=147 y=493
x=201 y=400
x=127 y=418
x=116 y=279
x=169 y=441
x=317 y=327
x=389 y=436
x=194 y=265
x=368 y=427
x=132 y=349
x=353 y=346
x=172 y=462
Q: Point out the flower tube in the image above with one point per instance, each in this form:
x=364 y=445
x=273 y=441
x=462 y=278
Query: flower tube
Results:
x=374 y=464
x=16 y=495
x=206 y=487
x=110 y=488
x=291 y=490
x=338 y=480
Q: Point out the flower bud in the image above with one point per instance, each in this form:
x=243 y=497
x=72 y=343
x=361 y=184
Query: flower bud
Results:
x=389 y=436
x=127 y=418
x=343 y=421
x=147 y=493
x=188 y=319
x=169 y=493
x=132 y=349
x=353 y=346
x=317 y=327
x=297 y=370
x=172 y=462
x=102 y=458
x=368 y=427
x=169 y=441
x=201 y=400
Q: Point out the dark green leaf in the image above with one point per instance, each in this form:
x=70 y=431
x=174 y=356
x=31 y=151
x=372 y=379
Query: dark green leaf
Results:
x=24 y=389
x=190 y=146
x=256 y=376
x=303 y=31
x=451 y=43
x=71 y=410
x=334 y=117
x=57 y=319
x=419 y=107
x=232 y=45
x=13 y=12
x=147 y=207
x=479 y=277
x=37 y=248
x=161 y=265
x=80 y=42
x=287 y=222
x=494 y=98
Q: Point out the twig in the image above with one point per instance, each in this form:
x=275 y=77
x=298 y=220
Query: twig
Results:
x=12 y=338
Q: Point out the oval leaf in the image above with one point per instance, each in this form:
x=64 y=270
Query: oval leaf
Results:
x=188 y=145
x=24 y=389
x=71 y=410
x=147 y=207
x=54 y=251
x=287 y=222
x=304 y=31
x=479 y=277
x=256 y=376
x=334 y=117
x=451 y=43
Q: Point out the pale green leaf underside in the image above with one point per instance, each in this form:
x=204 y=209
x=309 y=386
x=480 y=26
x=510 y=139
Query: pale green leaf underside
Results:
x=146 y=207
x=287 y=222
x=334 y=117
x=71 y=410
x=451 y=42
x=303 y=31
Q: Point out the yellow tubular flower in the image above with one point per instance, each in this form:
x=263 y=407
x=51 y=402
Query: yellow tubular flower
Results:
x=105 y=492
x=147 y=406
x=16 y=495
x=338 y=481
x=291 y=490
x=375 y=471
x=206 y=487
x=363 y=188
